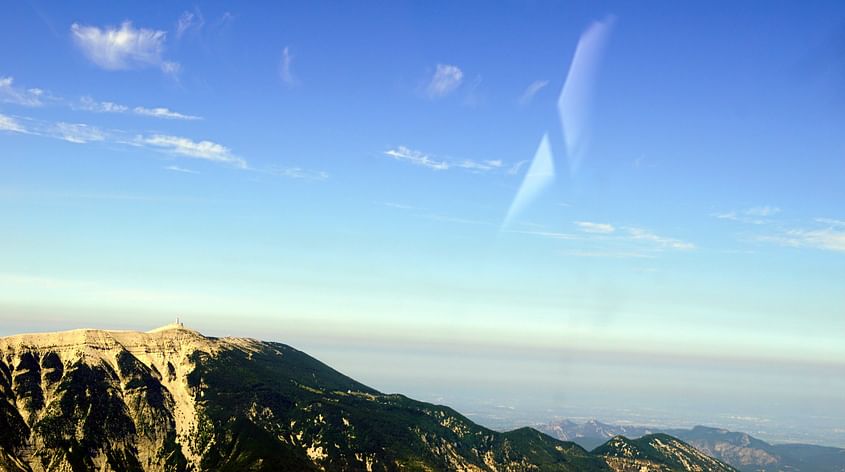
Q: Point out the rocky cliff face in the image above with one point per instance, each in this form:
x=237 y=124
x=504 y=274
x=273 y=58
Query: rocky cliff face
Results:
x=91 y=399
x=174 y=400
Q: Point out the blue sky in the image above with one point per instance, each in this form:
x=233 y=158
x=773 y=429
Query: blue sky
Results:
x=338 y=177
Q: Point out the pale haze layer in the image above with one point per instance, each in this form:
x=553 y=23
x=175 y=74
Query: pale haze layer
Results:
x=336 y=177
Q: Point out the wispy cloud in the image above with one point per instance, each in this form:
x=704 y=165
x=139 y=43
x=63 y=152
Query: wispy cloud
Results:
x=89 y=104
x=7 y=123
x=162 y=112
x=9 y=93
x=445 y=80
x=532 y=90
x=122 y=48
x=830 y=221
x=299 y=173
x=478 y=166
x=36 y=97
x=206 y=150
x=181 y=169
x=831 y=237
x=285 y=68
x=660 y=241
x=403 y=153
x=590 y=227
x=81 y=133
x=78 y=133
x=189 y=21
x=754 y=215
x=763 y=211
x=603 y=239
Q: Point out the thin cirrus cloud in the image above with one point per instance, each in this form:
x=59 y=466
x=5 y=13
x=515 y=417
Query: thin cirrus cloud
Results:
x=419 y=158
x=89 y=104
x=9 y=93
x=446 y=79
x=298 y=173
x=591 y=227
x=189 y=21
x=123 y=48
x=828 y=234
x=754 y=215
x=36 y=97
x=7 y=123
x=403 y=153
x=661 y=242
x=183 y=170
x=614 y=242
x=205 y=150
x=78 y=133
x=532 y=90
x=161 y=112
x=286 y=68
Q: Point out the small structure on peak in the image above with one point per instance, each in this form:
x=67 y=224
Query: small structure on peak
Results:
x=175 y=325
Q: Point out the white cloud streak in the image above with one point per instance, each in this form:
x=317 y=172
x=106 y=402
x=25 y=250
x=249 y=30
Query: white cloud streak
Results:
x=640 y=234
x=447 y=78
x=78 y=133
x=531 y=91
x=763 y=211
x=122 y=48
x=89 y=104
x=285 y=68
x=608 y=241
x=754 y=215
x=599 y=228
x=829 y=238
x=27 y=97
x=205 y=150
x=7 y=123
x=403 y=153
x=299 y=173
x=180 y=169
x=187 y=21
x=165 y=113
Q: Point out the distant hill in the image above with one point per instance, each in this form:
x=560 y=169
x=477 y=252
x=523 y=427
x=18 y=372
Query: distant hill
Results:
x=740 y=450
x=174 y=400
x=658 y=453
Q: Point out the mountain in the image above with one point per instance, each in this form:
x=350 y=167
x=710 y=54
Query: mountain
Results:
x=658 y=453
x=751 y=454
x=175 y=400
x=740 y=450
x=591 y=434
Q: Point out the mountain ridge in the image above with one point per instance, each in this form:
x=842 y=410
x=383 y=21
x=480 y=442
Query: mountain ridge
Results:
x=738 y=449
x=172 y=399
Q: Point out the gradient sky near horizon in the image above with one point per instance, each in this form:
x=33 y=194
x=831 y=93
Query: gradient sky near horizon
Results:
x=337 y=176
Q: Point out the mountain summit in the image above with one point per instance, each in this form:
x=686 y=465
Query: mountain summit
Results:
x=172 y=399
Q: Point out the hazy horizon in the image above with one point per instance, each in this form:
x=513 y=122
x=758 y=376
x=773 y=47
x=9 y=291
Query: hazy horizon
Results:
x=572 y=209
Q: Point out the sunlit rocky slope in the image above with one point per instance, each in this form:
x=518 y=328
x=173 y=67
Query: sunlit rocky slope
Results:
x=174 y=400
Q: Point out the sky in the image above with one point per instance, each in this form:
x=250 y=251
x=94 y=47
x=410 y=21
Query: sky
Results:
x=525 y=210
